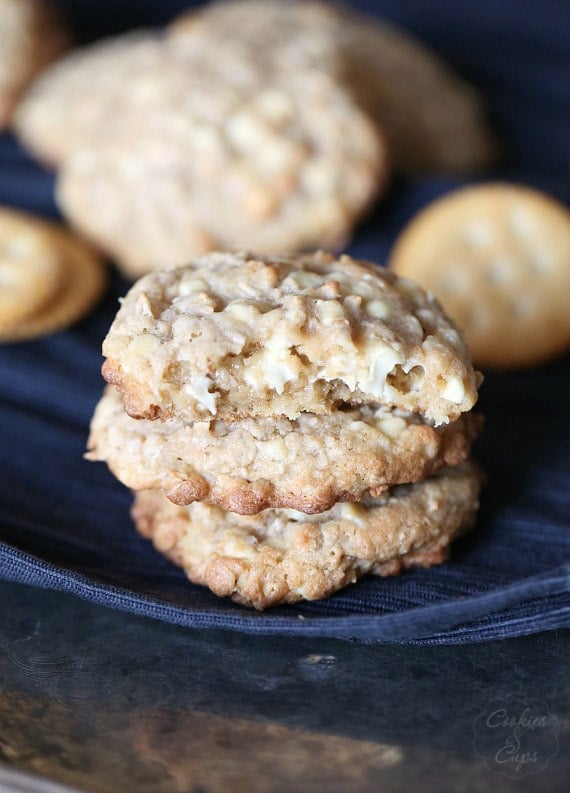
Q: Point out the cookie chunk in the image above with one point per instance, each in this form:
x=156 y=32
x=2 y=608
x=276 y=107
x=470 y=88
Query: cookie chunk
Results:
x=32 y=34
x=286 y=556
x=48 y=278
x=77 y=99
x=433 y=120
x=496 y=255
x=226 y=155
x=234 y=335
x=307 y=464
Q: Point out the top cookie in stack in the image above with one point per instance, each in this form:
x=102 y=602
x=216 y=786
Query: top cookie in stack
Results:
x=234 y=336
x=256 y=390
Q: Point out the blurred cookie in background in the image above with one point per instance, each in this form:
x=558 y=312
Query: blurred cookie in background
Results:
x=32 y=34
x=264 y=125
x=433 y=120
x=77 y=99
x=229 y=152
x=498 y=258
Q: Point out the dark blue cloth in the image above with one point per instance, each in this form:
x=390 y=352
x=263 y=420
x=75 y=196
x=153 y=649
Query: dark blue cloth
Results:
x=64 y=522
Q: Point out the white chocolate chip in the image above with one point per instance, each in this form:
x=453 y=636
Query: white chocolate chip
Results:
x=392 y=426
x=329 y=311
x=377 y=309
x=454 y=391
x=245 y=131
x=197 y=387
x=382 y=360
x=190 y=284
x=275 y=105
x=144 y=345
x=353 y=512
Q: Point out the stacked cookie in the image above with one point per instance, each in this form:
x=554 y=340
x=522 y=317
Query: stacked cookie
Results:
x=289 y=425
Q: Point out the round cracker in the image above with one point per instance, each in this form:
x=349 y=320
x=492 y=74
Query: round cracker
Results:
x=496 y=256
x=79 y=283
x=32 y=270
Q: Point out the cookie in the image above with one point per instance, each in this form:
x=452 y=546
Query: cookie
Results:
x=285 y=556
x=307 y=464
x=33 y=34
x=49 y=279
x=76 y=100
x=235 y=335
x=496 y=255
x=433 y=120
x=238 y=153
x=104 y=193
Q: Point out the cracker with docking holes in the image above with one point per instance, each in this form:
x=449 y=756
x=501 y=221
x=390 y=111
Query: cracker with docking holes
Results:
x=49 y=278
x=233 y=335
x=497 y=257
x=307 y=464
x=433 y=120
x=285 y=556
x=32 y=34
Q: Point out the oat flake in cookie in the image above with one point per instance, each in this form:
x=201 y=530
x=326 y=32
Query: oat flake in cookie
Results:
x=285 y=556
x=235 y=335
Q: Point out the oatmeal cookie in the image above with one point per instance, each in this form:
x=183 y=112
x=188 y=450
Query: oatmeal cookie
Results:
x=77 y=99
x=235 y=335
x=433 y=120
x=227 y=154
x=286 y=556
x=307 y=464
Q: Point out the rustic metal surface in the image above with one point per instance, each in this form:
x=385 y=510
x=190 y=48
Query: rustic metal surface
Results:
x=107 y=702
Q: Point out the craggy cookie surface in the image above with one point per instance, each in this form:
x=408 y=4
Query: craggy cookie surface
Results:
x=232 y=335
x=48 y=278
x=32 y=34
x=433 y=120
x=497 y=256
x=286 y=556
x=307 y=464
